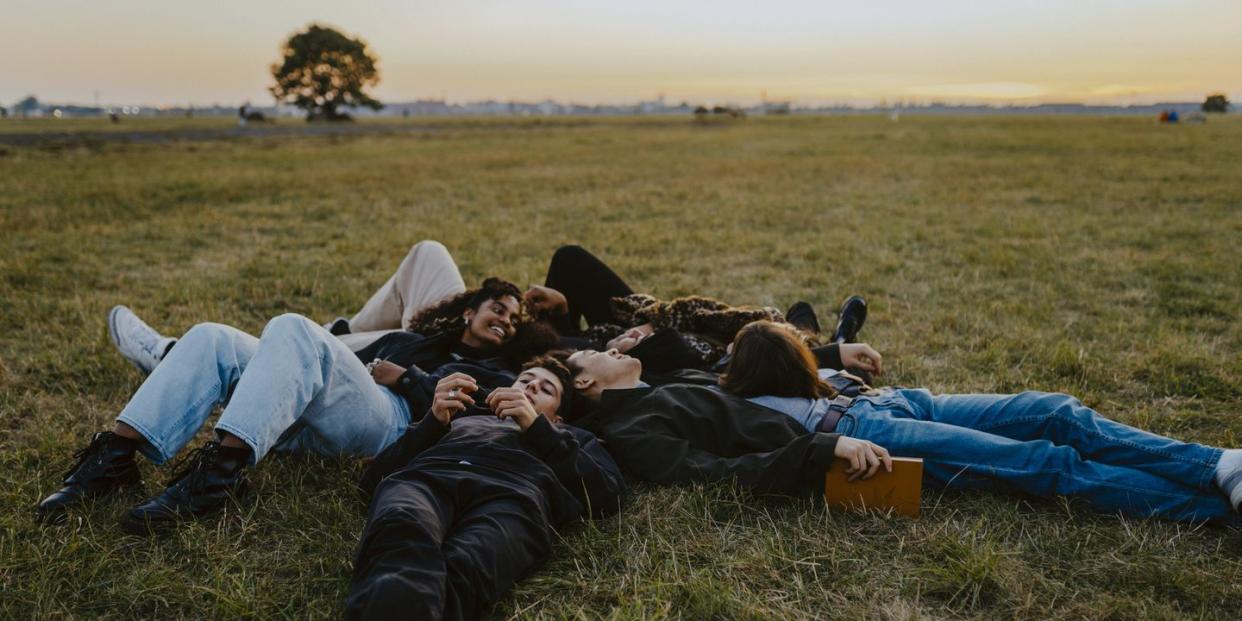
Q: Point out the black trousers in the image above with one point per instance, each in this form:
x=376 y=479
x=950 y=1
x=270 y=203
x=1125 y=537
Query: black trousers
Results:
x=445 y=545
x=589 y=286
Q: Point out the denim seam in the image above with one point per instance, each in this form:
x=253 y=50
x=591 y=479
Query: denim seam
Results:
x=1043 y=471
x=1096 y=434
x=147 y=435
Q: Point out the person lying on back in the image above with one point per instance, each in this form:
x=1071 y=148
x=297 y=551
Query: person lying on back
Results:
x=465 y=502
x=1043 y=444
x=681 y=433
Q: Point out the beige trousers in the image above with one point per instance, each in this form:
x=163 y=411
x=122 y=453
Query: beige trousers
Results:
x=426 y=276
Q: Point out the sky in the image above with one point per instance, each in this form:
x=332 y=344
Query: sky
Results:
x=725 y=51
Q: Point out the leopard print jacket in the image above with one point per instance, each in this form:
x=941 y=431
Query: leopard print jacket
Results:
x=707 y=324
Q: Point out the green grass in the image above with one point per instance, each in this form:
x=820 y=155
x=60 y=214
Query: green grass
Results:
x=1096 y=256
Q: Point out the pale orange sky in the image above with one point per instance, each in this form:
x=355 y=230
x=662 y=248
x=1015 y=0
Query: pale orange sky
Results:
x=998 y=51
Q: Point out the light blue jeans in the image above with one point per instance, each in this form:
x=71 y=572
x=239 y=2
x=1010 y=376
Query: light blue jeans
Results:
x=298 y=388
x=1046 y=445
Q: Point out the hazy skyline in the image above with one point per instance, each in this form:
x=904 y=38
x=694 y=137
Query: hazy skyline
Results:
x=1004 y=51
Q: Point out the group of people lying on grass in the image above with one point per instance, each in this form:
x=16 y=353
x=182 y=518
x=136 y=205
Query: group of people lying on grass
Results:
x=491 y=416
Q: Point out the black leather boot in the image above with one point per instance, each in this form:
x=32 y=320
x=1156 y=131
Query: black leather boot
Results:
x=853 y=316
x=802 y=316
x=103 y=467
x=202 y=483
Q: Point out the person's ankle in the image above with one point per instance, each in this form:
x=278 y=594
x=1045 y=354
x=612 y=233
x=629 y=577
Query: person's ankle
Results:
x=1228 y=476
x=125 y=432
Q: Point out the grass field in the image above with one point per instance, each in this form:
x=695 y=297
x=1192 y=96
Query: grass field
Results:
x=1094 y=256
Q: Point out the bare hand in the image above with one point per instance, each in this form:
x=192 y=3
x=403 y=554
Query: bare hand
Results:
x=628 y=339
x=546 y=300
x=864 y=457
x=512 y=403
x=861 y=356
x=452 y=396
x=385 y=373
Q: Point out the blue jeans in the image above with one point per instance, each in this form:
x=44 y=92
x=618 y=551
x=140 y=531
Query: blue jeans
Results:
x=298 y=388
x=1045 y=445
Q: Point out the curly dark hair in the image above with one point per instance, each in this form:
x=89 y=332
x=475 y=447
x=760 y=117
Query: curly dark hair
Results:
x=531 y=339
x=447 y=316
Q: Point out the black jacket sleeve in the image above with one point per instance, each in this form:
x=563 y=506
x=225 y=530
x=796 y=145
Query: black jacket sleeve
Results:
x=794 y=469
x=368 y=353
x=416 y=387
x=829 y=356
x=584 y=468
x=415 y=440
x=684 y=433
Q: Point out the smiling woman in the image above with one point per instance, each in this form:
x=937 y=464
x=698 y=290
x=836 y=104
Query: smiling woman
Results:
x=488 y=323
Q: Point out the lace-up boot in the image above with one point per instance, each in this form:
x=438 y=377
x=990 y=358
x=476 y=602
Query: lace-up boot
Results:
x=202 y=483
x=103 y=467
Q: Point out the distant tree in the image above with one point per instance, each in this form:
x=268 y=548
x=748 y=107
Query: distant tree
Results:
x=1216 y=103
x=27 y=105
x=323 y=71
x=700 y=111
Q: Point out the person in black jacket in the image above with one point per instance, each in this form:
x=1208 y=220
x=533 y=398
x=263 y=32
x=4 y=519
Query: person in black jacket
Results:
x=464 y=504
x=1043 y=444
x=297 y=388
x=685 y=432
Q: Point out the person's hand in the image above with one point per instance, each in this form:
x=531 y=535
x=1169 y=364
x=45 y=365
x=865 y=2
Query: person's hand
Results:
x=384 y=372
x=452 y=396
x=861 y=356
x=546 y=300
x=512 y=403
x=628 y=339
x=865 y=458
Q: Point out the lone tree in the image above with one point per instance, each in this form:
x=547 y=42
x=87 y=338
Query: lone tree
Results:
x=323 y=71
x=1216 y=103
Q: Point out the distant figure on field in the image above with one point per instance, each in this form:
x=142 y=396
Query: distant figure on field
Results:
x=244 y=116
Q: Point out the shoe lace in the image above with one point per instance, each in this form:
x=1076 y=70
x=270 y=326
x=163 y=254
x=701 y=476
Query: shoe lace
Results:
x=194 y=467
x=84 y=455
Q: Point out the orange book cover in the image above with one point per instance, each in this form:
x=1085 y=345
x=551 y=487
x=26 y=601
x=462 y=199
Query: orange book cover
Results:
x=900 y=490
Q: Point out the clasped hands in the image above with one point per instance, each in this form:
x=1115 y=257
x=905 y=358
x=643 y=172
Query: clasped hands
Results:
x=453 y=395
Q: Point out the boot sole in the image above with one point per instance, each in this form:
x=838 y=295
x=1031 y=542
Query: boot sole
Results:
x=60 y=515
x=145 y=528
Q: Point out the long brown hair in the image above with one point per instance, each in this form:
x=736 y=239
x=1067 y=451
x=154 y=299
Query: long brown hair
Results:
x=769 y=359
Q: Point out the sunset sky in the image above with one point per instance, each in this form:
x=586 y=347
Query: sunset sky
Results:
x=998 y=51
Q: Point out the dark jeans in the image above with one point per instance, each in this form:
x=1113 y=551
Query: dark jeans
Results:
x=589 y=286
x=445 y=543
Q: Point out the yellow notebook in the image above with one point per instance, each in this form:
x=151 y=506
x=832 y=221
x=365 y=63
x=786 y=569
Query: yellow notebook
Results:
x=900 y=490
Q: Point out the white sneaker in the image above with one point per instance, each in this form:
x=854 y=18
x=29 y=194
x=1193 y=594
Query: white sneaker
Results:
x=138 y=342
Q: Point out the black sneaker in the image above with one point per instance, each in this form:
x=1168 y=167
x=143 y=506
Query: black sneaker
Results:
x=105 y=466
x=338 y=327
x=203 y=483
x=853 y=316
x=802 y=316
